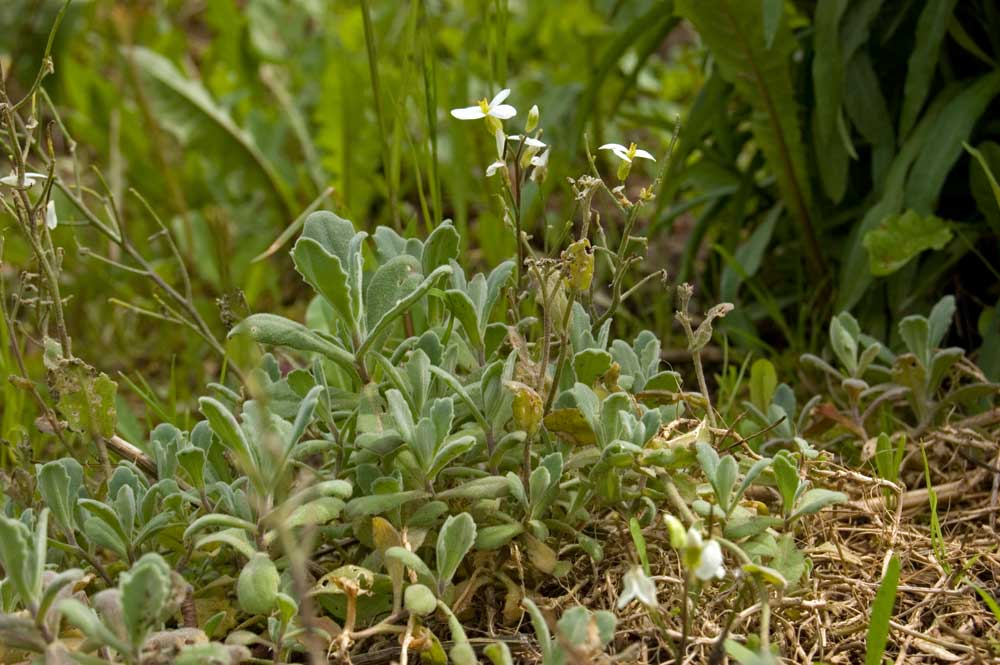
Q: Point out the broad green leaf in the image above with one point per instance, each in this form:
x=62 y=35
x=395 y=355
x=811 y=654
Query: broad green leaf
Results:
x=376 y=504
x=899 y=238
x=187 y=108
x=763 y=381
x=881 y=613
x=762 y=74
x=100 y=533
x=943 y=146
x=915 y=332
x=145 y=588
x=276 y=330
x=590 y=365
x=413 y=562
x=235 y=538
x=749 y=255
x=219 y=520
x=17 y=554
x=931 y=30
x=325 y=273
x=495 y=537
x=402 y=306
x=489 y=487
x=816 y=500
x=224 y=424
x=939 y=321
x=392 y=282
x=787 y=474
x=440 y=248
x=464 y=310
x=456 y=537
x=59 y=483
x=319 y=511
x=84 y=618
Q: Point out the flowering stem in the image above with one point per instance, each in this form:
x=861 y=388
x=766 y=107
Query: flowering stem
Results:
x=682 y=646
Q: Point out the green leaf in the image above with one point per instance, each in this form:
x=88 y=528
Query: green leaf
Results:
x=390 y=283
x=276 y=330
x=145 y=589
x=440 y=248
x=498 y=653
x=219 y=520
x=983 y=180
x=376 y=504
x=84 y=618
x=489 y=487
x=413 y=562
x=235 y=538
x=763 y=381
x=100 y=533
x=749 y=255
x=192 y=460
x=816 y=500
x=773 y=12
x=225 y=426
x=881 y=613
x=931 y=30
x=915 y=332
x=462 y=307
x=17 y=554
x=640 y=543
x=401 y=306
x=319 y=511
x=495 y=537
x=762 y=74
x=456 y=537
x=187 y=108
x=899 y=238
x=325 y=273
x=59 y=483
x=85 y=398
x=943 y=146
x=544 y=637
x=786 y=472
x=939 y=321
x=591 y=364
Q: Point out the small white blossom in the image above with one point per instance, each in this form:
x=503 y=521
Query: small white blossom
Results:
x=637 y=587
x=541 y=164
x=29 y=179
x=627 y=154
x=501 y=142
x=50 y=215
x=710 y=562
x=495 y=108
x=528 y=141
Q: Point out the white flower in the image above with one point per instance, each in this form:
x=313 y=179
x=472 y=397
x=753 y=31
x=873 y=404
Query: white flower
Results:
x=627 y=154
x=528 y=141
x=501 y=141
x=495 y=108
x=702 y=558
x=710 y=562
x=29 y=179
x=541 y=164
x=637 y=587
x=50 y=215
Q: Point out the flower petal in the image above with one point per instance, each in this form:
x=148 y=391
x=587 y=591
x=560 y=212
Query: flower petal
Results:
x=644 y=155
x=50 y=215
x=710 y=564
x=613 y=146
x=500 y=96
x=541 y=160
x=468 y=113
x=501 y=140
x=494 y=167
x=503 y=111
x=622 y=154
x=534 y=143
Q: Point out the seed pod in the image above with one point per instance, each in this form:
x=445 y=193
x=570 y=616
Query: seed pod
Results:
x=527 y=406
x=257 y=587
x=419 y=600
x=580 y=259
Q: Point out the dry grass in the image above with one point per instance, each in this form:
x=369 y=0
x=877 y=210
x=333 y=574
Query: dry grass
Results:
x=938 y=618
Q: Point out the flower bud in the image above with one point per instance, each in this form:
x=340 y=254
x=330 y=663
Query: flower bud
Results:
x=257 y=587
x=532 y=121
x=678 y=538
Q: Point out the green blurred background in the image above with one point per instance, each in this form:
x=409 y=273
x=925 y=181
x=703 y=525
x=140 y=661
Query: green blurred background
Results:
x=804 y=127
